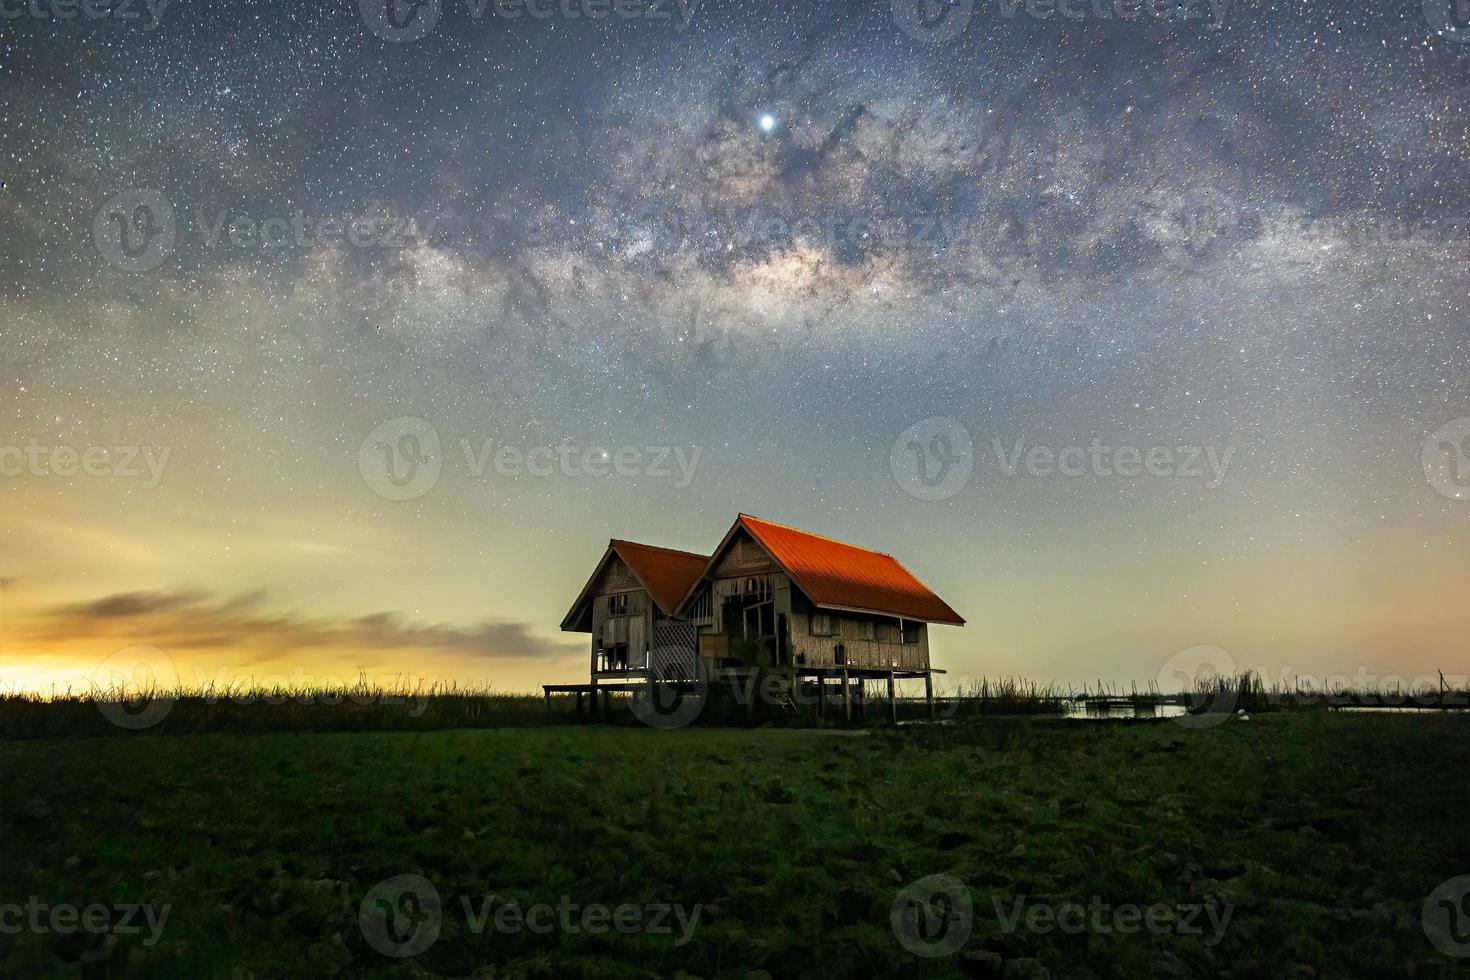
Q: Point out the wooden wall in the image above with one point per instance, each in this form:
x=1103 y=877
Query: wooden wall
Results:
x=821 y=651
x=744 y=557
x=618 y=579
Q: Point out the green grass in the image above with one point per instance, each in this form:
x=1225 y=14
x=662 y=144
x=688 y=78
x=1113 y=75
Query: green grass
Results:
x=1324 y=833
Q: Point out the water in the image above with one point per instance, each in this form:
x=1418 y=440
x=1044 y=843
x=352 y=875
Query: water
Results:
x=1403 y=710
x=1096 y=712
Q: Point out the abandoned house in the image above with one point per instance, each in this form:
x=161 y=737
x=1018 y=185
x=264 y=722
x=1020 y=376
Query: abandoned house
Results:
x=791 y=604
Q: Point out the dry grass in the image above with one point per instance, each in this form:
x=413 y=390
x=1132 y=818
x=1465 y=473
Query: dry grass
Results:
x=368 y=706
x=362 y=706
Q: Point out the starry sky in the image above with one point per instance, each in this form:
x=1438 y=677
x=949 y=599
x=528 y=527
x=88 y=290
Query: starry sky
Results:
x=337 y=271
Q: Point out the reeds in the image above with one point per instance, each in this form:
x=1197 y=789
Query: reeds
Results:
x=419 y=706
x=1245 y=691
x=359 y=706
x=1008 y=696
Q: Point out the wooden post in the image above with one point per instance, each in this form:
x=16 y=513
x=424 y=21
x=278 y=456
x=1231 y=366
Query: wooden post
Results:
x=548 y=700
x=592 y=704
x=929 y=692
x=892 y=701
x=821 y=696
x=846 y=697
x=579 y=704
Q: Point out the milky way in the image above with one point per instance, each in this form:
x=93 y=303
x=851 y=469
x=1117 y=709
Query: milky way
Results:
x=782 y=234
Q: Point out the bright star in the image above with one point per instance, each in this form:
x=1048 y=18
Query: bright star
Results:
x=767 y=122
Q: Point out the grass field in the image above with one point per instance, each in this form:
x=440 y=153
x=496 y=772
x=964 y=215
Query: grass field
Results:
x=1315 y=837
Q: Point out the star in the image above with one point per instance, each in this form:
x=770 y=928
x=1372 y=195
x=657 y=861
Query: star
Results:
x=786 y=235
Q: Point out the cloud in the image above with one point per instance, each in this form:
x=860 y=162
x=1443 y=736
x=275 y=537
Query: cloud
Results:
x=135 y=604
x=184 y=619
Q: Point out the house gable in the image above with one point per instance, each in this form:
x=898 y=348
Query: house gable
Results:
x=741 y=555
x=610 y=574
x=657 y=575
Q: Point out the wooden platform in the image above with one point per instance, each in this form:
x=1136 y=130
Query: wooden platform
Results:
x=736 y=677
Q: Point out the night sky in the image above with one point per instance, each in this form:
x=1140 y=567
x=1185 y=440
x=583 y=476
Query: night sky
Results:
x=846 y=264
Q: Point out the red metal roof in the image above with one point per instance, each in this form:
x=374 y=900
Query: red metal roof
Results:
x=843 y=576
x=666 y=574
